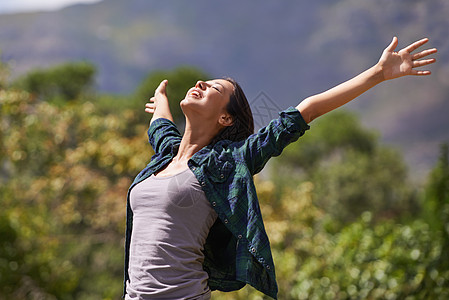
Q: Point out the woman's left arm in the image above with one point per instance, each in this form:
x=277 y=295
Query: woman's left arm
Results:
x=390 y=65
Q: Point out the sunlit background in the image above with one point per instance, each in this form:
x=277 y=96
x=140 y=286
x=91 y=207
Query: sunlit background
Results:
x=20 y=6
x=357 y=209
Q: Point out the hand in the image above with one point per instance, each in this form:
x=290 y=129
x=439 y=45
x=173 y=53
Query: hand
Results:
x=402 y=63
x=159 y=95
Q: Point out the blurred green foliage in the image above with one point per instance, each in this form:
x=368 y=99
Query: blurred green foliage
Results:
x=351 y=171
x=61 y=83
x=336 y=220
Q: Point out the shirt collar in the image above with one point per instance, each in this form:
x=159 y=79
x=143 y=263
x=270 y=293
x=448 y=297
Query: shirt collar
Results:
x=201 y=156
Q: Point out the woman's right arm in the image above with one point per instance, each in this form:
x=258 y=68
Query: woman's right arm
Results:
x=158 y=105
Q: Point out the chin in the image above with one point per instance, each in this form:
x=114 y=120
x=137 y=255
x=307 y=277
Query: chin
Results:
x=185 y=105
x=188 y=102
x=191 y=108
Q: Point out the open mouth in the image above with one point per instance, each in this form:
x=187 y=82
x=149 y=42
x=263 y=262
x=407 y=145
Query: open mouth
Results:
x=196 y=94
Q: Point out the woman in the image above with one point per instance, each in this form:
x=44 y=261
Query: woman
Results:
x=193 y=219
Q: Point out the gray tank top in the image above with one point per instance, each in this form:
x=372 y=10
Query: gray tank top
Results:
x=171 y=221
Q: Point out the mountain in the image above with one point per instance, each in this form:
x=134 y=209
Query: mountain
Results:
x=282 y=51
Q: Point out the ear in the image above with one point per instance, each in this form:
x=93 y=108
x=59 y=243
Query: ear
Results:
x=226 y=120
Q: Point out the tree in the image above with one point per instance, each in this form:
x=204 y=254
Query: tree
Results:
x=63 y=82
x=64 y=175
x=436 y=202
x=4 y=75
x=350 y=170
x=436 y=213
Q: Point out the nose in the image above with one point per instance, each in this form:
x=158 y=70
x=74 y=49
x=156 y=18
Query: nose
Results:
x=201 y=85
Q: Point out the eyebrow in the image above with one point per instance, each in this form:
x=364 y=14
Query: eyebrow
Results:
x=216 y=82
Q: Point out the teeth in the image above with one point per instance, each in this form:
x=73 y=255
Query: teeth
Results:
x=195 y=94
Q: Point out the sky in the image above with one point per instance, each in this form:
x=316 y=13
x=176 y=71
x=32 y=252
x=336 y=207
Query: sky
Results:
x=15 y=6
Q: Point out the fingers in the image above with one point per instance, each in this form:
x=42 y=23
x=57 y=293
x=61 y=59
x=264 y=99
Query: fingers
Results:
x=424 y=62
x=420 y=63
x=424 y=53
x=410 y=48
x=420 y=73
x=150 y=107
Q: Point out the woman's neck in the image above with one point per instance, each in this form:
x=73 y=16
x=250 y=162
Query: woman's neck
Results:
x=194 y=139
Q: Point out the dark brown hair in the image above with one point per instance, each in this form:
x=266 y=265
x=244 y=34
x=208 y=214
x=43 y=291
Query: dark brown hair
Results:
x=243 y=123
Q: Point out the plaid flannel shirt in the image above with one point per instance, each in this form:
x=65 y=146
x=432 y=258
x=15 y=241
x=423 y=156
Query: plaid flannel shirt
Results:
x=237 y=249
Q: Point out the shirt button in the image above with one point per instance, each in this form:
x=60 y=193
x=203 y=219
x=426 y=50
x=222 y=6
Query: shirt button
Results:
x=221 y=176
x=214 y=203
x=203 y=183
x=253 y=250
x=226 y=221
x=240 y=236
x=268 y=267
x=193 y=168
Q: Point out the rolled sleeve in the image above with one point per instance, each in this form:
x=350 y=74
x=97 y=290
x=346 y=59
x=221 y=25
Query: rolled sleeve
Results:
x=270 y=140
x=293 y=121
x=163 y=133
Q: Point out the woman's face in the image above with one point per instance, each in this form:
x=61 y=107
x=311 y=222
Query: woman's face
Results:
x=208 y=98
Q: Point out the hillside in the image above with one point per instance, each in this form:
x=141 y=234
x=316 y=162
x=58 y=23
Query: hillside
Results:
x=287 y=51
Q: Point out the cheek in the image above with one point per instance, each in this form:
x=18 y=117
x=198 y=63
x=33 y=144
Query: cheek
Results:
x=221 y=106
x=215 y=101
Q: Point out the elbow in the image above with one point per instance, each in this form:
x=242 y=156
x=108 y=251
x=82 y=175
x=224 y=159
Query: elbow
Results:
x=306 y=116
x=307 y=113
x=313 y=115
x=310 y=109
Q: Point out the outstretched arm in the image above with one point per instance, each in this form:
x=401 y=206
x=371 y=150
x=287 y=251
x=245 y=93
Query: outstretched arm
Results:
x=390 y=65
x=158 y=105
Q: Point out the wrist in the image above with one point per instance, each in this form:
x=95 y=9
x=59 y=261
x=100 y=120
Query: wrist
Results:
x=377 y=73
x=161 y=99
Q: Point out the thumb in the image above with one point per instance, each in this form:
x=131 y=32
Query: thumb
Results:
x=393 y=45
x=162 y=86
